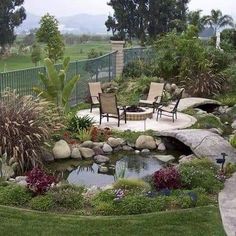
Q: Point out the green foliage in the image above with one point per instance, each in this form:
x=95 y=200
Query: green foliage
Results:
x=49 y=34
x=76 y=124
x=228 y=99
x=67 y=197
x=200 y=173
x=233 y=141
x=56 y=87
x=42 y=203
x=103 y=196
x=133 y=185
x=207 y=122
x=105 y=209
x=14 y=195
x=230 y=169
x=230 y=73
x=84 y=135
x=12 y=14
x=36 y=54
x=228 y=39
x=93 y=54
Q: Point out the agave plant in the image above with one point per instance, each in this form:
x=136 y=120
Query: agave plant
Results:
x=56 y=87
x=24 y=127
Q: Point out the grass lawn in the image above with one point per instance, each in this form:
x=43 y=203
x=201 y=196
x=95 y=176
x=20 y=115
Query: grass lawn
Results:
x=204 y=221
x=75 y=52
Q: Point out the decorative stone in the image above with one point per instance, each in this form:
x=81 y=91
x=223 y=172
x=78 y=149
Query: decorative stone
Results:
x=75 y=154
x=127 y=148
x=107 y=148
x=98 y=150
x=137 y=151
x=184 y=159
x=98 y=144
x=115 y=142
x=87 y=144
x=234 y=125
x=158 y=142
x=174 y=87
x=161 y=147
x=22 y=183
x=131 y=144
x=165 y=158
x=103 y=169
x=145 y=151
x=61 y=150
x=216 y=131
x=86 y=153
x=145 y=142
x=20 y=178
x=101 y=159
x=47 y=155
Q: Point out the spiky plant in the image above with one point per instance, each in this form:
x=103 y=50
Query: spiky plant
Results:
x=24 y=127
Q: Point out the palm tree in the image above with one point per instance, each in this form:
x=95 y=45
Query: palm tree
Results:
x=217 y=20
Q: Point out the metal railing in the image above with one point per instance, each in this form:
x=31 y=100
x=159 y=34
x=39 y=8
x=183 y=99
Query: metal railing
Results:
x=136 y=53
x=98 y=69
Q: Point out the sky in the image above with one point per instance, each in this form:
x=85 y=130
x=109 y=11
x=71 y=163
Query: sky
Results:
x=60 y=8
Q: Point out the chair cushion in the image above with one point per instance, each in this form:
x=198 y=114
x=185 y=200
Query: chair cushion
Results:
x=146 y=101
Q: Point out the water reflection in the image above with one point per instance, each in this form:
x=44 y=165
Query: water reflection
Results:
x=134 y=166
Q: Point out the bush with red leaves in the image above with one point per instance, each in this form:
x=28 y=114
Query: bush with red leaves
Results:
x=168 y=178
x=38 y=181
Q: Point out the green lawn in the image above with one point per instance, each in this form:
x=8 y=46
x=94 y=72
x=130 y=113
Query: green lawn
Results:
x=203 y=221
x=75 y=52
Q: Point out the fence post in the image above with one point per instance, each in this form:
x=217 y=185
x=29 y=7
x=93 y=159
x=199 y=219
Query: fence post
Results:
x=109 y=64
x=118 y=46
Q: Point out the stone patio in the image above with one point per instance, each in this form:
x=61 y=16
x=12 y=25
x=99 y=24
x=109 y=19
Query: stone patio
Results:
x=165 y=123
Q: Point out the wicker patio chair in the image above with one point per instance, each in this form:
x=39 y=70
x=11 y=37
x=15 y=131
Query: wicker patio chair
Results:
x=109 y=108
x=154 y=96
x=94 y=89
x=171 y=108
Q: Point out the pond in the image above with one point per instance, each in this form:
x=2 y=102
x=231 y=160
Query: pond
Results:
x=88 y=173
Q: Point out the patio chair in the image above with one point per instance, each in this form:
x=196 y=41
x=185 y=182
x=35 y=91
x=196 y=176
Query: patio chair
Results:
x=109 y=108
x=94 y=89
x=154 y=95
x=171 y=108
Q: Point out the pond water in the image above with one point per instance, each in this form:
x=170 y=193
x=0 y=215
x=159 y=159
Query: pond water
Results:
x=88 y=173
x=135 y=166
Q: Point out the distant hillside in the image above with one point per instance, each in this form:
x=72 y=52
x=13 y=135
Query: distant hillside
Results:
x=78 y=24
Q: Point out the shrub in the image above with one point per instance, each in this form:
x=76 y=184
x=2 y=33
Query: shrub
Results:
x=133 y=69
x=67 y=197
x=84 y=135
x=104 y=196
x=38 y=181
x=133 y=185
x=14 y=195
x=228 y=99
x=106 y=209
x=205 y=84
x=167 y=178
x=75 y=123
x=200 y=173
x=24 y=127
x=207 y=122
x=42 y=203
x=131 y=205
x=233 y=141
x=99 y=134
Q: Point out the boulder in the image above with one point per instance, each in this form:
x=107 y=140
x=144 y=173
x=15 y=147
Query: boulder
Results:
x=165 y=158
x=20 y=178
x=234 y=125
x=216 y=131
x=203 y=143
x=98 y=144
x=145 y=151
x=115 y=142
x=103 y=169
x=87 y=144
x=127 y=148
x=101 y=159
x=47 y=155
x=145 y=142
x=75 y=154
x=118 y=149
x=86 y=153
x=107 y=148
x=161 y=147
x=61 y=150
x=98 y=150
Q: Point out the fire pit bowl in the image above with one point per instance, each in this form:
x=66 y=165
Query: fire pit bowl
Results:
x=138 y=113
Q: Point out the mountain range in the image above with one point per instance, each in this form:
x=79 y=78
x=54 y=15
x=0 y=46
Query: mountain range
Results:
x=77 y=24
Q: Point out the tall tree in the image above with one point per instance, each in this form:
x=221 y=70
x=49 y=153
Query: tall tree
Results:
x=12 y=14
x=194 y=18
x=49 y=34
x=217 y=20
x=139 y=18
